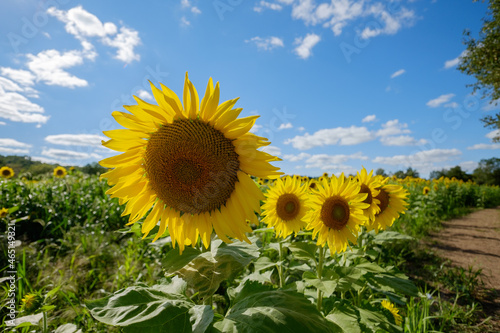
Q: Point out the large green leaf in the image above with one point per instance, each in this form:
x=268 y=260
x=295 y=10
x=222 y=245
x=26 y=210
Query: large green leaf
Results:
x=390 y=237
x=398 y=285
x=325 y=285
x=274 y=311
x=374 y=320
x=204 y=271
x=349 y=278
x=144 y=309
x=345 y=316
x=303 y=250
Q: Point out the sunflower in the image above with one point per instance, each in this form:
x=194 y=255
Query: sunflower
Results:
x=6 y=172
x=285 y=206
x=325 y=175
x=369 y=186
x=31 y=302
x=392 y=204
x=60 y=172
x=336 y=212
x=389 y=306
x=4 y=212
x=426 y=190
x=191 y=163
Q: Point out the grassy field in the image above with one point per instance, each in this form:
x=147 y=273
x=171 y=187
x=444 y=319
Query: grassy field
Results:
x=73 y=254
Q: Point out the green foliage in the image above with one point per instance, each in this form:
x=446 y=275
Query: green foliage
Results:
x=488 y=172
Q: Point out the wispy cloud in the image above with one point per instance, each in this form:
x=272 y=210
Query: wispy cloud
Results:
x=484 y=146
x=454 y=62
x=344 y=136
x=434 y=103
x=285 y=126
x=75 y=139
x=369 y=118
x=305 y=45
x=267 y=5
x=267 y=43
x=398 y=73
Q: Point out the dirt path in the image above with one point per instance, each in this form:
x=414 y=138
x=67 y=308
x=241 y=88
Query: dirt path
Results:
x=474 y=240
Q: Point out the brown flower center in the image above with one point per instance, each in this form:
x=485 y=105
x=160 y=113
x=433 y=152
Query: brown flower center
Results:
x=59 y=172
x=383 y=197
x=288 y=206
x=191 y=166
x=6 y=172
x=335 y=212
x=366 y=189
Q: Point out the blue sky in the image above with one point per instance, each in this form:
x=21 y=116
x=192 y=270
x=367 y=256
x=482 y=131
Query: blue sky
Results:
x=338 y=84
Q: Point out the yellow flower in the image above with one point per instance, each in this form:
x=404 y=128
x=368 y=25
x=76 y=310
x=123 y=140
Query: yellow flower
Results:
x=31 y=302
x=392 y=204
x=389 y=306
x=369 y=186
x=60 y=172
x=6 y=172
x=191 y=163
x=3 y=212
x=285 y=206
x=426 y=190
x=336 y=212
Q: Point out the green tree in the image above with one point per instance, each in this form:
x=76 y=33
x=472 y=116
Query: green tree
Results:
x=456 y=172
x=488 y=172
x=380 y=172
x=482 y=60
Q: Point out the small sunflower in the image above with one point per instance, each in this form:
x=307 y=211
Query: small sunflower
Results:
x=369 y=186
x=60 y=172
x=336 y=212
x=6 y=172
x=426 y=190
x=3 y=212
x=191 y=163
x=325 y=175
x=392 y=204
x=389 y=306
x=31 y=302
x=285 y=206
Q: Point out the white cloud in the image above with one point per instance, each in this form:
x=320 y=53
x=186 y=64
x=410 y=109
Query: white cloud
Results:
x=468 y=166
x=332 y=162
x=144 y=95
x=344 y=136
x=401 y=140
x=484 y=146
x=21 y=76
x=255 y=128
x=273 y=150
x=269 y=5
x=434 y=103
x=267 y=43
x=301 y=129
x=295 y=158
x=195 y=10
x=16 y=107
x=187 y=4
x=285 y=126
x=125 y=42
x=48 y=67
x=393 y=127
x=454 y=62
x=305 y=45
x=452 y=105
x=398 y=73
x=60 y=154
x=493 y=134
x=492 y=105
x=185 y=22
x=7 y=150
x=369 y=118
x=393 y=22
x=6 y=142
x=75 y=139
x=422 y=159
x=2 y=123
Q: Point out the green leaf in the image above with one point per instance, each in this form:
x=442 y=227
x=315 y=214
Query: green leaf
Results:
x=326 y=286
x=201 y=316
x=349 y=278
x=303 y=250
x=144 y=310
x=370 y=267
x=394 y=284
x=274 y=311
x=375 y=320
x=390 y=237
x=246 y=289
x=345 y=316
x=174 y=261
x=205 y=271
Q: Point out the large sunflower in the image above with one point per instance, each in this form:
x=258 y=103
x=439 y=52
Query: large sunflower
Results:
x=190 y=162
x=393 y=310
x=6 y=172
x=336 y=212
x=369 y=186
x=285 y=206
x=392 y=204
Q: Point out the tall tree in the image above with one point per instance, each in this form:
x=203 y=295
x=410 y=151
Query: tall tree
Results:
x=482 y=60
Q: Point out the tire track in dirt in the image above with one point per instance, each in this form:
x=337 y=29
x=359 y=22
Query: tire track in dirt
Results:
x=474 y=240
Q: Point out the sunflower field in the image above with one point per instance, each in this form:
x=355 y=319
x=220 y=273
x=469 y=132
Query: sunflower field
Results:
x=193 y=229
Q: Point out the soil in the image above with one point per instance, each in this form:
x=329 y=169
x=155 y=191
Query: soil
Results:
x=474 y=240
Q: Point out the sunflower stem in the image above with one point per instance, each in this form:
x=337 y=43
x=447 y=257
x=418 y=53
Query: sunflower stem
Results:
x=280 y=264
x=319 y=269
x=45 y=328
